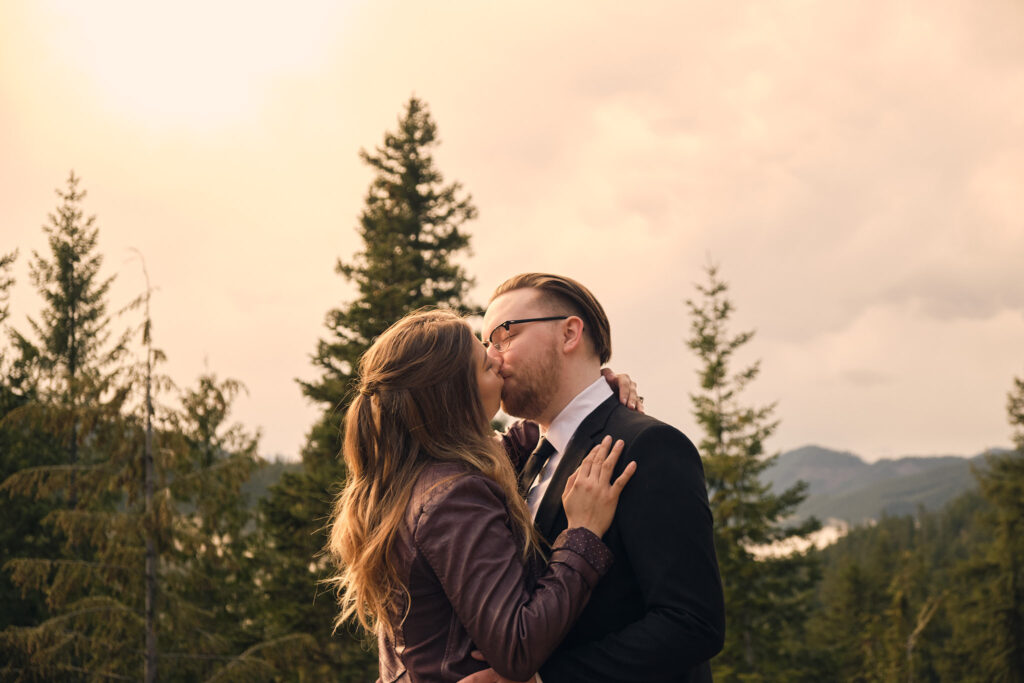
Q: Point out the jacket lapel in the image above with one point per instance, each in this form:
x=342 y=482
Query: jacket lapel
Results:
x=550 y=520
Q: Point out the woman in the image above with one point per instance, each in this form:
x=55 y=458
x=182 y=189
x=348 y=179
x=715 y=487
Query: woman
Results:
x=436 y=548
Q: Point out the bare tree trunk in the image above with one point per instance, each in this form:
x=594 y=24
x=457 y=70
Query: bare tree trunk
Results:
x=151 y=661
x=748 y=649
x=150 y=522
x=73 y=400
x=928 y=610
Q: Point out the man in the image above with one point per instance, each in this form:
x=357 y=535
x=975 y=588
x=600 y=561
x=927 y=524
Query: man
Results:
x=658 y=615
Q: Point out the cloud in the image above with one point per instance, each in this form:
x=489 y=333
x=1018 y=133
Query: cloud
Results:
x=866 y=377
x=977 y=291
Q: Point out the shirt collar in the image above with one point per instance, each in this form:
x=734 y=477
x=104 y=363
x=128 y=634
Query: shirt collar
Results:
x=568 y=421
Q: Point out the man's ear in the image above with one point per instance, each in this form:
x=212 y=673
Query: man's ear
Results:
x=572 y=333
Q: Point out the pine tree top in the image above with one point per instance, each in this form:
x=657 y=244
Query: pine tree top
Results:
x=74 y=345
x=411 y=228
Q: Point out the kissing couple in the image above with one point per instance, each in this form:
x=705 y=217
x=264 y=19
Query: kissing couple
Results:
x=574 y=548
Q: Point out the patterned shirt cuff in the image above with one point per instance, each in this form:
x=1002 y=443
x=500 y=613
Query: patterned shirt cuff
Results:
x=587 y=545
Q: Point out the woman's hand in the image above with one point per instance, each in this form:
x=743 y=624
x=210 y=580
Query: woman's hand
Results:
x=626 y=388
x=590 y=496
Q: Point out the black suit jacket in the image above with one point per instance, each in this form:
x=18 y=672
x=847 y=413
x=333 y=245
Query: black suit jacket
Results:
x=658 y=615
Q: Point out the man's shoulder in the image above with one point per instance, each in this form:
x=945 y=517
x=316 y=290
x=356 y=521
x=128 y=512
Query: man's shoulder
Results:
x=636 y=424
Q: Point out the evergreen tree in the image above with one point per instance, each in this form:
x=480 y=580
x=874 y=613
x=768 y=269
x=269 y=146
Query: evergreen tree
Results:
x=412 y=229
x=63 y=431
x=766 y=600
x=70 y=365
x=848 y=629
x=988 y=608
x=73 y=347
x=208 y=569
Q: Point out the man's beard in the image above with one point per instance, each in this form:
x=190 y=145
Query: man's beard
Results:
x=535 y=384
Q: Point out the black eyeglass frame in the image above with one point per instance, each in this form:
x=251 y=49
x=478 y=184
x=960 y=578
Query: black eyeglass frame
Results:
x=509 y=323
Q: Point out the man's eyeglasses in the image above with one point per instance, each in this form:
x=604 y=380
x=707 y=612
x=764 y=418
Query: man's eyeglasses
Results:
x=500 y=337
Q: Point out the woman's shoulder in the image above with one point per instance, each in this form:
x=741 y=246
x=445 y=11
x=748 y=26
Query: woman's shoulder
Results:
x=442 y=481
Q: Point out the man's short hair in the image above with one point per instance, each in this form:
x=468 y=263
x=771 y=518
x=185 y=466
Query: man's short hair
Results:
x=566 y=293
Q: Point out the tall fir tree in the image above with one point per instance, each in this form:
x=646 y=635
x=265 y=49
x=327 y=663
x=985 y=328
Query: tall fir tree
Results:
x=73 y=348
x=988 y=605
x=71 y=366
x=71 y=378
x=412 y=229
x=767 y=600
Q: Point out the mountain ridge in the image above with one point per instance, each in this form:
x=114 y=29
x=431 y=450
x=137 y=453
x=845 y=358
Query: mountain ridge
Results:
x=842 y=485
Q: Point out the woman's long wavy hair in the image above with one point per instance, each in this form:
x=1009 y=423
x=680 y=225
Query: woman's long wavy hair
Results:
x=417 y=404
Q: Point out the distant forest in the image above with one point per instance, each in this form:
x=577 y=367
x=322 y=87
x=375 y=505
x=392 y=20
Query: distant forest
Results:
x=145 y=538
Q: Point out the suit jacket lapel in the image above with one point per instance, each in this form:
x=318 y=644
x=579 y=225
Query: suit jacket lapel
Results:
x=550 y=518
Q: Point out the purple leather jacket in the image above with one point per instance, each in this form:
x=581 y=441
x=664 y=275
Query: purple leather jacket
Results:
x=470 y=589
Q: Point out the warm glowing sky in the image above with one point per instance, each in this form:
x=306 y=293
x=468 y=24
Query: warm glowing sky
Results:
x=855 y=167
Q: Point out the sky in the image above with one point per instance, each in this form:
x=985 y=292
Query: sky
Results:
x=853 y=168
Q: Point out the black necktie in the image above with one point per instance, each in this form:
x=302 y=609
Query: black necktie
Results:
x=534 y=465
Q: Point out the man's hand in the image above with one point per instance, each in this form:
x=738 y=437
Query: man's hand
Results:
x=490 y=675
x=626 y=387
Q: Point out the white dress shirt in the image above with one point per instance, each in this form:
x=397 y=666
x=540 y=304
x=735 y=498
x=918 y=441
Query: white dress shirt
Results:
x=560 y=432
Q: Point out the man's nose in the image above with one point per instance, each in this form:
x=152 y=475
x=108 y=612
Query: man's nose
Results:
x=495 y=356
